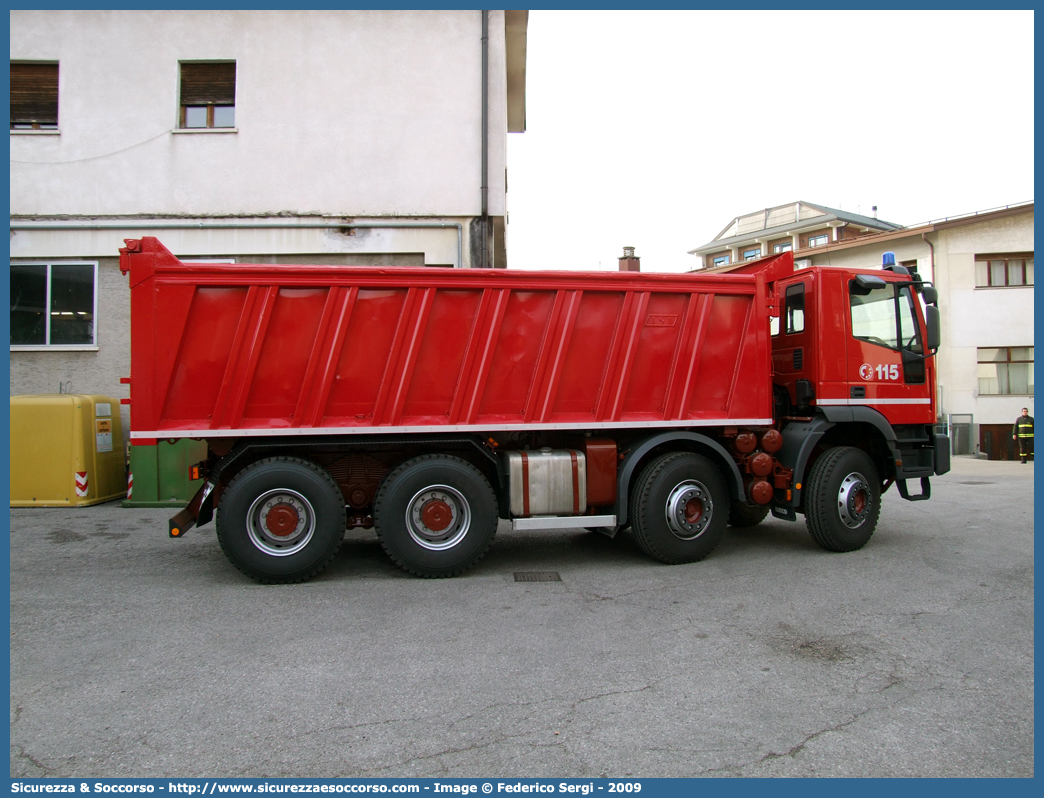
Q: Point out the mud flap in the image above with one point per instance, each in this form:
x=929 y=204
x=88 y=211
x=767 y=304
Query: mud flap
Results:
x=199 y=512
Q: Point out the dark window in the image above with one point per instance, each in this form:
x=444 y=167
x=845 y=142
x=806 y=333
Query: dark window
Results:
x=34 y=96
x=53 y=304
x=795 y=308
x=999 y=271
x=909 y=334
x=1006 y=371
x=28 y=304
x=910 y=338
x=208 y=94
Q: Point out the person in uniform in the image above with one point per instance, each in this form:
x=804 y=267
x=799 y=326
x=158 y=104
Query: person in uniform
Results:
x=1022 y=433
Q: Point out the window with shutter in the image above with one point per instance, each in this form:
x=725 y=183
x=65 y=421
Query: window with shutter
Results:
x=208 y=94
x=34 y=96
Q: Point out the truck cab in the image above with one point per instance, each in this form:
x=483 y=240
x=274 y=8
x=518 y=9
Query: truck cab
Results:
x=853 y=365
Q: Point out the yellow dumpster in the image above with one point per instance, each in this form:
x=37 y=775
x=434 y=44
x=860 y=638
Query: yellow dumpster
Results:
x=66 y=450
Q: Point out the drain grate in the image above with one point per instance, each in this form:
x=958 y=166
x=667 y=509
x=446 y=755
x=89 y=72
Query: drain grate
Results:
x=537 y=576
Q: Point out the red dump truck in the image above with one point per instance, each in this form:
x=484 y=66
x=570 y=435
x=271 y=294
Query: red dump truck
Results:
x=431 y=403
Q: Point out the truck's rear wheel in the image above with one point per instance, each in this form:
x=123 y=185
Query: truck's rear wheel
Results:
x=679 y=508
x=281 y=520
x=741 y=514
x=435 y=515
x=842 y=499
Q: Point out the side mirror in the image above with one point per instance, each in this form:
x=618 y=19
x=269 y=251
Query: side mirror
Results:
x=930 y=294
x=865 y=283
x=933 y=337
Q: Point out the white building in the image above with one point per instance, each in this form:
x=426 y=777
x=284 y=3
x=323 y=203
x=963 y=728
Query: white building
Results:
x=343 y=137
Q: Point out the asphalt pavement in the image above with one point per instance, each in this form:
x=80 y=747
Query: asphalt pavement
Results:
x=136 y=655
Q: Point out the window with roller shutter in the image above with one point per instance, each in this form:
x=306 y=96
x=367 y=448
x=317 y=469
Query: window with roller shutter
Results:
x=34 y=96
x=208 y=94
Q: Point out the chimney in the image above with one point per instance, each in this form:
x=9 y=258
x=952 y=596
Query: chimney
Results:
x=873 y=210
x=629 y=263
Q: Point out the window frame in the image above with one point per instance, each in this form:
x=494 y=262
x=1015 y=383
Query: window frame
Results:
x=209 y=106
x=778 y=248
x=210 y=118
x=752 y=254
x=49 y=347
x=1008 y=258
x=721 y=260
x=1007 y=362
x=814 y=241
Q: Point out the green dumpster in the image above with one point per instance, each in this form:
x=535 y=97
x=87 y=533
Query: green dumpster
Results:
x=159 y=474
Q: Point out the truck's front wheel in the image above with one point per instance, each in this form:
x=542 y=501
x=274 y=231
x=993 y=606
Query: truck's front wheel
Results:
x=842 y=499
x=281 y=520
x=679 y=508
x=435 y=515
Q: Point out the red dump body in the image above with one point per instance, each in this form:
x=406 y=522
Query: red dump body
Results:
x=239 y=349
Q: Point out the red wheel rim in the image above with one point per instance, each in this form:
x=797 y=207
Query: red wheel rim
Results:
x=436 y=515
x=282 y=520
x=859 y=502
x=693 y=511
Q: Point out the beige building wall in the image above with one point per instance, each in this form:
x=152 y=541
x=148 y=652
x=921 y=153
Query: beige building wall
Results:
x=981 y=317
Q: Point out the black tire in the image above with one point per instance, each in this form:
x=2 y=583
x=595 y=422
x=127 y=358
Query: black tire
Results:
x=679 y=508
x=435 y=515
x=842 y=499
x=741 y=514
x=281 y=519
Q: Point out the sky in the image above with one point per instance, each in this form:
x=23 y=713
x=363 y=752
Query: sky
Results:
x=654 y=129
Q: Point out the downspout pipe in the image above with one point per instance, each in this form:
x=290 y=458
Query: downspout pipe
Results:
x=164 y=224
x=931 y=247
x=485 y=140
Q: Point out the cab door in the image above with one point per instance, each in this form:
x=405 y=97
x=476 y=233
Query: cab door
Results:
x=887 y=369
x=794 y=340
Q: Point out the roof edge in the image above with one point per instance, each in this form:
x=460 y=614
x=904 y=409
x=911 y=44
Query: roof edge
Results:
x=928 y=227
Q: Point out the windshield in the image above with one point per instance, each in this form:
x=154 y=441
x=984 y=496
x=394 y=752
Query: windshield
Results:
x=874 y=317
